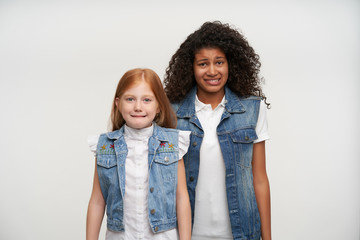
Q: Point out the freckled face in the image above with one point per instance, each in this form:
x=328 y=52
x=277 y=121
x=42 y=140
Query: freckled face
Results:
x=211 y=73
x=138 y=105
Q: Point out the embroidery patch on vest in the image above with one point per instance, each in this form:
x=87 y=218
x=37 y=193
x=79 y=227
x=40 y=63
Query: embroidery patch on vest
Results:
x=166 y=147
x=106 y=150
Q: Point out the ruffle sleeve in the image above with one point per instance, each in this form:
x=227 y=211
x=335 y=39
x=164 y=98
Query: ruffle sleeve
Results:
x=184 y=142
x=93 y=141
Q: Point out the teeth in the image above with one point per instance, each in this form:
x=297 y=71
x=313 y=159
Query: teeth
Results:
x=213 y=80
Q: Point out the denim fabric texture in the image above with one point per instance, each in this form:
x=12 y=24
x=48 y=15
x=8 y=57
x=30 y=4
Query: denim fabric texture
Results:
x=236 y=133
x=163 y=157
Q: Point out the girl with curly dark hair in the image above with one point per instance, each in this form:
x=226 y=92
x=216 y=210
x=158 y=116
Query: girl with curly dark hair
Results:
x=213 y=84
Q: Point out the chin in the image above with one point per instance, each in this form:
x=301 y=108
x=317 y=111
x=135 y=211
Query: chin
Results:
x=139 y=125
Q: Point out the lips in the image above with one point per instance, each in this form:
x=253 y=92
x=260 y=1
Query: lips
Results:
x=212 y=82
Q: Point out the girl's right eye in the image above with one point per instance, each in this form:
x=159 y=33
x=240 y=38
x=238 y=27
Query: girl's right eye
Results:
x=202 y=64
x=129 y=99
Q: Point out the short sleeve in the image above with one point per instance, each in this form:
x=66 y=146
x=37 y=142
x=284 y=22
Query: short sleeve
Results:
x=262 y=125
x=184 y=142
x=93 y=141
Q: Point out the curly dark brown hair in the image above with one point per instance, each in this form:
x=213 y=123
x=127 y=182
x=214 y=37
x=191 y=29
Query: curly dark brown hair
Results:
x=244 y=63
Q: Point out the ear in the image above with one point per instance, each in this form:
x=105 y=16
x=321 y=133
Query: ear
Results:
x=158 y=110
x=117 y=103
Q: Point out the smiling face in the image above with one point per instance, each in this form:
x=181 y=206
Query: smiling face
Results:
x=211 y=73
x=138 y=105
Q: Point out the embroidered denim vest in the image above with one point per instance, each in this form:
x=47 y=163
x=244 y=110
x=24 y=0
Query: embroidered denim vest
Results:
x=236 y=133
x=163 y=160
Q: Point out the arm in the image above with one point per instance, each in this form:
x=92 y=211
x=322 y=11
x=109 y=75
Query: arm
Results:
x=95 y=211
x=262 y=189
x=183 y=210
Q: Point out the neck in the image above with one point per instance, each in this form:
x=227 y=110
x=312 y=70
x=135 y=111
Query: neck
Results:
x=214 y=99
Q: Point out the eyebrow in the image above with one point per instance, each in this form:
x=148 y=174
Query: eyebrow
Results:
x=205 y=59
x=132 y=95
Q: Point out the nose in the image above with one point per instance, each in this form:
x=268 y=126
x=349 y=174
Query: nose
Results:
x=138 y=106
x=211 y=70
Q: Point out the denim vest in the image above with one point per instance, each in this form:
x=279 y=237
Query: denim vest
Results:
x=236 y=133
x=163 y=160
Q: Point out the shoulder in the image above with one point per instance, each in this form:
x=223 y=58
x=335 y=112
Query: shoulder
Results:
x=106 y=139
x=104 y=143
x=168 y=131
x=250 y=99
x=237 y=104
x=103 y=140
x=238 y=101
x=250 y=102
x=177 y=132
x=165 y=134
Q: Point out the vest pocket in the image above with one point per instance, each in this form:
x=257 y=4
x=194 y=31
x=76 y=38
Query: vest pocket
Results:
x=106 y=161
x=243 y=146
x=166 y=165
x=247 y=135
x=166 y=160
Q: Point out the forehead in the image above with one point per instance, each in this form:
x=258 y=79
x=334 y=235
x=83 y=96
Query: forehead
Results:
x=139 y=86
x=209 y=52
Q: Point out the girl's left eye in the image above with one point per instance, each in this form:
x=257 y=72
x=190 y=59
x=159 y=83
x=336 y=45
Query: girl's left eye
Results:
x=147 y=100
x=219 y=62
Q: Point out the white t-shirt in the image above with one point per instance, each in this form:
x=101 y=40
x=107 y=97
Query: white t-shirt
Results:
x=211 y=217
x=136 y=218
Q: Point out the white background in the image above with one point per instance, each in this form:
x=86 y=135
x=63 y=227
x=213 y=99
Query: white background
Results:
x=60 y=62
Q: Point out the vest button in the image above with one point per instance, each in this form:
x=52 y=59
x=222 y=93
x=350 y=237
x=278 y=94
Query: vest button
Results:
x=246 y=138
x=191 y=179
x=166 y=159
x=152 y=211
x=156 y=228
x=194 y=144
x=151 y=189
